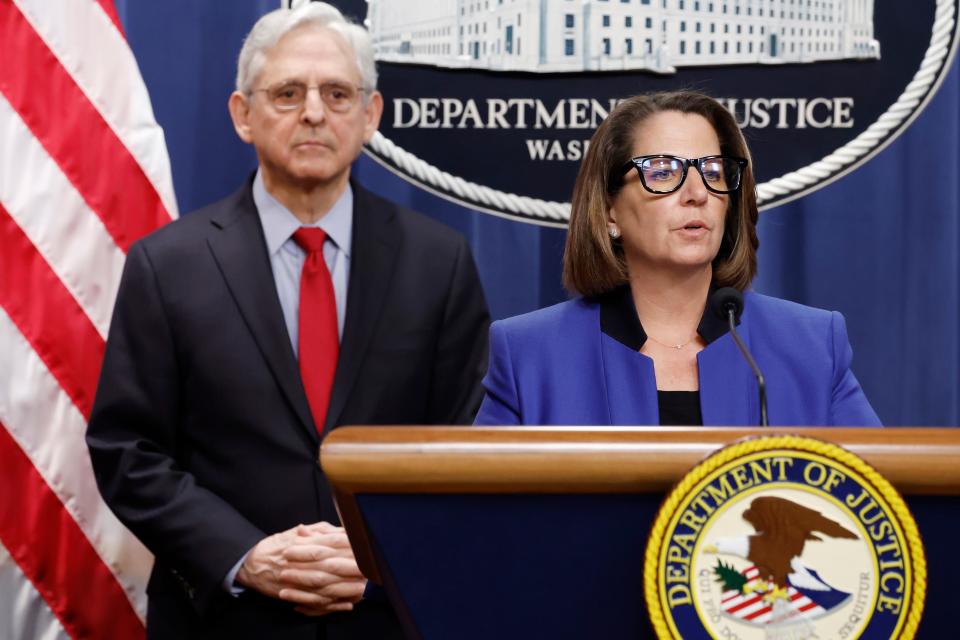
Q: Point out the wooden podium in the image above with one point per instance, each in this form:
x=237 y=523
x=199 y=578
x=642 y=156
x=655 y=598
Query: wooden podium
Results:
x=539 y=532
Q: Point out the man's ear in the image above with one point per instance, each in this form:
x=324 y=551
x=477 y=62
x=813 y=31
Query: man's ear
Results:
x=239 y=109
x=372 y=111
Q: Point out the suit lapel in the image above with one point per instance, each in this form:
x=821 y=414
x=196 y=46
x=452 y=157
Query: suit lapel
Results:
x=239 y=248
x=728 y=390
x=630 y=381
x=631 y=385
x=373 y=254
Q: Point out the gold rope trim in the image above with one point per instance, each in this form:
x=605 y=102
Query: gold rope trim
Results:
x=895 y=502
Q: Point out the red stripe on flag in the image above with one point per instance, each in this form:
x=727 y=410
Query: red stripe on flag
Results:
x=759 y=612
x=48 y=316
x=746 y=603
x=111 y=11
x=75 y=134
x=53 y=553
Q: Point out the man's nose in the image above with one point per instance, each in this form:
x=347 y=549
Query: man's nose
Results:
x=314 y=109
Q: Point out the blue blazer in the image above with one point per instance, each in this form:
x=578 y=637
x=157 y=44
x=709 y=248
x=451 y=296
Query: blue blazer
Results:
x=578 y=363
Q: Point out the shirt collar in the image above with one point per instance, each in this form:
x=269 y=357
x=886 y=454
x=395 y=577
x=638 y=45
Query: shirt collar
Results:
x=279 y=224
x=619 y=320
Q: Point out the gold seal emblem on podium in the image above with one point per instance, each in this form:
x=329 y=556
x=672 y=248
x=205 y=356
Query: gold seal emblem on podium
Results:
x=784 y=538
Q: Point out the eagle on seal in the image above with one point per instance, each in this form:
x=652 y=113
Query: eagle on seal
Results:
x=782 y=528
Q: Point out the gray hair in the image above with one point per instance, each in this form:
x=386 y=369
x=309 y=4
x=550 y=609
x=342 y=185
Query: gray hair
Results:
x=270 y=28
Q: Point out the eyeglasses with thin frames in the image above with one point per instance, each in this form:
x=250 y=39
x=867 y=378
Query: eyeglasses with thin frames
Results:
x=290 y=95
x=663 y=173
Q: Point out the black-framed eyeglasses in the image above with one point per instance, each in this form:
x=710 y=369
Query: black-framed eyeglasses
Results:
x=665 y=173
x=291 y=95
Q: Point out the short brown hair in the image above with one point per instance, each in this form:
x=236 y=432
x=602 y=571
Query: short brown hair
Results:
x=592 y=263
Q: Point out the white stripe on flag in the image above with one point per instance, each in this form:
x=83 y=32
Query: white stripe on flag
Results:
x=46 y=206
x=750 y=608
x=86 y=42
x=24 y=613
x=49 y=428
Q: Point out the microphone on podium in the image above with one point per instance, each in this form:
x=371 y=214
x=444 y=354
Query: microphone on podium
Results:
x=728 y=304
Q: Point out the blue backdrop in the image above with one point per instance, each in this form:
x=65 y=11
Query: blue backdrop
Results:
x=880 y=245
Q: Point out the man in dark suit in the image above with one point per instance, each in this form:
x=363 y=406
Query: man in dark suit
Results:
x=245 y=331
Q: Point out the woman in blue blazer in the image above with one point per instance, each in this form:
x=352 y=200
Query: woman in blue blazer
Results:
x=664 y=212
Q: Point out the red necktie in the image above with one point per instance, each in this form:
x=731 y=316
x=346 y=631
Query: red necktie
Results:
x=319 y=341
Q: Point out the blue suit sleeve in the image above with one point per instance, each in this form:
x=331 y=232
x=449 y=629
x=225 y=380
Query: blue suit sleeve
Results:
x=501 y=405
x=849 y=405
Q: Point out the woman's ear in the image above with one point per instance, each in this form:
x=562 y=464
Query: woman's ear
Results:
x=612 y=227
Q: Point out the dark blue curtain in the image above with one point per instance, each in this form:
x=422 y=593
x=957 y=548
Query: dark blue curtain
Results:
x=879 y=245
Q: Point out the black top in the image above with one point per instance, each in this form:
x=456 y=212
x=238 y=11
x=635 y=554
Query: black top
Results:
x=679 y=408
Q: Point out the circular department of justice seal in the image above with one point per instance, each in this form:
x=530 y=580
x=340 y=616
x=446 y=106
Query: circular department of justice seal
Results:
x=492 y=103
x=784 y=538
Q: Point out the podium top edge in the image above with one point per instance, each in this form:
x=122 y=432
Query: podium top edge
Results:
x=412 y=459
x=350 y=434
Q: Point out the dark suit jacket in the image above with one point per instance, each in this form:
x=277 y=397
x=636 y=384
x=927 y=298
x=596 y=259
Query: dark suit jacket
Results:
x=201 y=437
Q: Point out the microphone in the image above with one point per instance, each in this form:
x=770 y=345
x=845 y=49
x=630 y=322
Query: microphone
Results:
x=728 y=304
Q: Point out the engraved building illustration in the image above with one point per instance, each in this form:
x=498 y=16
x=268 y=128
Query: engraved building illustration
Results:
x=587 y=35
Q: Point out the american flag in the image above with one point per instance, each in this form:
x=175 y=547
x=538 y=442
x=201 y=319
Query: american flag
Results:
x=752 y=607
x=84 y=173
